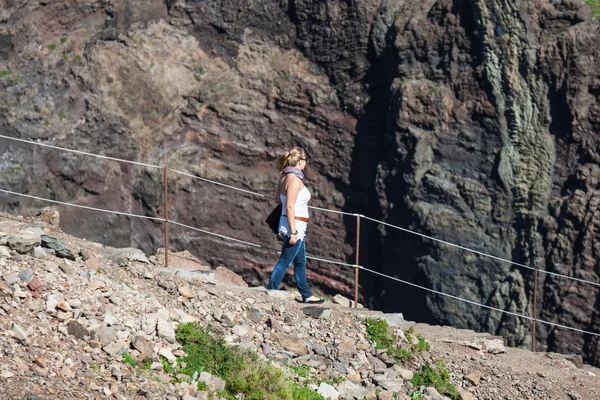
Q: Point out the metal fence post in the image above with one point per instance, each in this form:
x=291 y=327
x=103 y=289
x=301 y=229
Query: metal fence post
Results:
x=357 y=258
x=535 y=279
x=166 y=215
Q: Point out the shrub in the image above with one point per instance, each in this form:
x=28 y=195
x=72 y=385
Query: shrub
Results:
x=166 y=365
x=301 y=370
x=422 y=344
x=242 y=371
x=437 y=376
x=127 y=359
x=379 y=332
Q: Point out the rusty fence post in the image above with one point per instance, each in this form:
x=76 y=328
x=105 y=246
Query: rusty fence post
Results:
x=535 y=279
x=357 y=258
x=166 y=215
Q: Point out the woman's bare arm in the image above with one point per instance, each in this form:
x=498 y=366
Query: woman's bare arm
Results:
x=294 y=184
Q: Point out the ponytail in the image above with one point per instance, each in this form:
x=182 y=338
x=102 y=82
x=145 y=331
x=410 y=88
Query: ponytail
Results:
x=290 y=158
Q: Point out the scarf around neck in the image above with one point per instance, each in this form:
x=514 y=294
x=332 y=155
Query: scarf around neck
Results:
x=295 y=171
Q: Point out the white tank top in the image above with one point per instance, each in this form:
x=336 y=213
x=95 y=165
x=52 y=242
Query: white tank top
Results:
x=300 y=209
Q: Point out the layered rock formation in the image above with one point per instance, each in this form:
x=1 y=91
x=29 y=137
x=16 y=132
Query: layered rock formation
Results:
x=472 y=121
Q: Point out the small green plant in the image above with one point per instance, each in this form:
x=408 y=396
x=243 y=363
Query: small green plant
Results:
x=595 y=4
x=46 y=122
x=287 y=75
x=302 y=370
x=127 y=359
x=61 y=114
x=146 y=364
x=5 y=72
x=65 y=57
x=167 y=367
x=19 y=80
x=52 y=47
x=99 y=270
x=243 y=371
x=416 y=395
x=422 y=344
x=63 y=40
x=379 y=332
x=201 y=386
x=437 y=376
x=400 y=355
x=333 y=381
x=78 y=58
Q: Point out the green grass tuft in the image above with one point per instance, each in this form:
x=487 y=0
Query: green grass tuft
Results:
x=242 y=371
x=301 y=370
x=127 y=359
x=379 y=332
x=167 y=367
x=63 y=40
x=437 y=376
x=52 y=47
x=5 y=72
x=422 y=344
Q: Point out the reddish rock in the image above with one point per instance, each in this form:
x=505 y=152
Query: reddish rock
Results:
x=228 y=277
x=34 y=284
x=41 y=362
x=473 y=378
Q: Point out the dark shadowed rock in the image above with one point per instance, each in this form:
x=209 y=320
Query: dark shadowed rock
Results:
x=317 y=312
x=76 y=329
x=60 y=248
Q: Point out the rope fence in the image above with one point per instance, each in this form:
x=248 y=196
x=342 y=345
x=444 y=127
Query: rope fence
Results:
x=80 y=152
x=313 y=258
x=356 y=266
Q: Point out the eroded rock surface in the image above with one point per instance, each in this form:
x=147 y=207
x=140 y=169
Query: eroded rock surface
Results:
x=472 y=121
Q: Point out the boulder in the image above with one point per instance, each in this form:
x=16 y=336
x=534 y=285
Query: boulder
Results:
x=60 y=247
x=317 y=312
x=24 y=242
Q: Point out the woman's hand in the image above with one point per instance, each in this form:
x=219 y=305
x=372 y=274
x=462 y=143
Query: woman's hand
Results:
x=293 y=239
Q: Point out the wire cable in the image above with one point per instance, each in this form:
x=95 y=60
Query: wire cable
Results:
x=255 y=244
x=85 y=207
x=480 y=252
x=478 y=304
x=264 y=196
x=80 y=152
x=309 y=257
x=251 y=192
x=218 y=183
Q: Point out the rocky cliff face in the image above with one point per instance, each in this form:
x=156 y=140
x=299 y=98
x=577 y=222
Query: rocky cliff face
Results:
x=473 y=121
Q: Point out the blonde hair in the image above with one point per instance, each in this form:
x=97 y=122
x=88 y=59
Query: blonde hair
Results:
x=291 y=158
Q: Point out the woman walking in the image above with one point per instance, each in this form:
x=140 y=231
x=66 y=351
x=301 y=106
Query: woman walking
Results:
x=294 y=197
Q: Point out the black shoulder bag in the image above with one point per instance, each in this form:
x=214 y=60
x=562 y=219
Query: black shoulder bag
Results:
x=273 y=219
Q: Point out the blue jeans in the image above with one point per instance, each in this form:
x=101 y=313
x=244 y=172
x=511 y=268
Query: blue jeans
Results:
x=295 y=253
